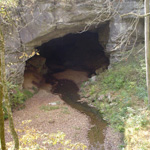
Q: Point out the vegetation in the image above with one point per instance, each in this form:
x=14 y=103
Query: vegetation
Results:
x=48 y=108
x=17 y=98
x=31 y=137
x=120 y=95
x=65 y=110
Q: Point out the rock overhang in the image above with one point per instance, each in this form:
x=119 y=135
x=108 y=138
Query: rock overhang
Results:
x=45 y=20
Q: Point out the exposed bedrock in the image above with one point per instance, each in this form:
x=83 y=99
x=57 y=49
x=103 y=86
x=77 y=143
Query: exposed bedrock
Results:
x=46 y=20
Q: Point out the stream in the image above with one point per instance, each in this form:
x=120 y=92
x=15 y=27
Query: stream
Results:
x=68 y=91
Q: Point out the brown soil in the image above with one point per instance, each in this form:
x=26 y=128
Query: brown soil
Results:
x=66 y=119
x=76 y=76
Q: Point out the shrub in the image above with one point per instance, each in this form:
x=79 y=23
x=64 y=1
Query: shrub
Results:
x=17 y=98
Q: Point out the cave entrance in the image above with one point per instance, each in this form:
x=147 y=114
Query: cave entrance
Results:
x=64 y=63
x=74 y=51
x=77 y=55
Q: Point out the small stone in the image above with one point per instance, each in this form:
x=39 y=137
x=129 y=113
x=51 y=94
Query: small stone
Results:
x=93 y=79
x=53 y=104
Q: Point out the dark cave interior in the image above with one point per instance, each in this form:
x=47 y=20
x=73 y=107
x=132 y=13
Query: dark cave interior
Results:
x=80 y=51
x=75 y=57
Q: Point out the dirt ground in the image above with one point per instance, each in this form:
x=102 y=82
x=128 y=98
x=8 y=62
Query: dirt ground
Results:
x=66 y=119
x=113 y=139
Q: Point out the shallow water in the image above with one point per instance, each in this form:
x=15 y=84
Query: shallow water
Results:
x=69 y=93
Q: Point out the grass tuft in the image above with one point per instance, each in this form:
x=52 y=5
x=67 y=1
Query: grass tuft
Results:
x=48 y=108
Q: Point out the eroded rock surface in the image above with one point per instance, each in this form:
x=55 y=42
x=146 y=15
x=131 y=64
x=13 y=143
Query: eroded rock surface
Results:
x=42 y=21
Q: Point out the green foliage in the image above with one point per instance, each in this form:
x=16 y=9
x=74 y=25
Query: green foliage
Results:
x=115 y=111
x=114 y=80
x=141 y=92
x=5 y=111
x=28 y=94
x=120 y=95
x=48 y=107
x=17 y=98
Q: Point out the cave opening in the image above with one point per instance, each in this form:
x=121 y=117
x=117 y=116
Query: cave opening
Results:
x=72 y=57
x=74 y=51
x=60 y=69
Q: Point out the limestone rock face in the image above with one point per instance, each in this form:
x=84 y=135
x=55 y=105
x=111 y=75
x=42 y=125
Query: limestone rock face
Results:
x=44 y=20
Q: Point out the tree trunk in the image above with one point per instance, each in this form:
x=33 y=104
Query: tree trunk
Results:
x=147 y=48
x=2 y=133
x=6 y=96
